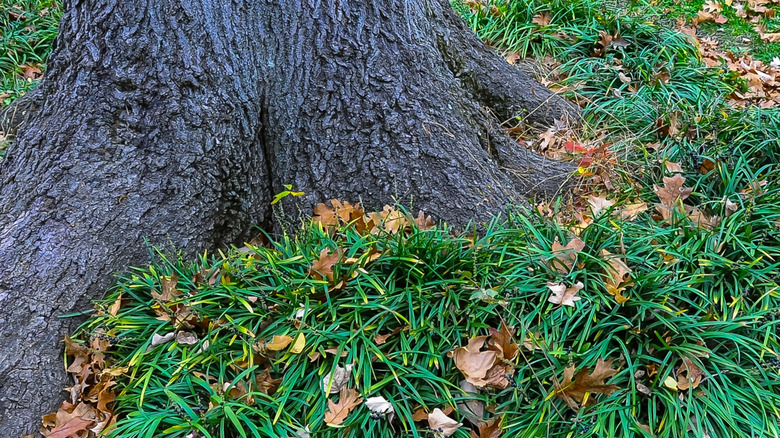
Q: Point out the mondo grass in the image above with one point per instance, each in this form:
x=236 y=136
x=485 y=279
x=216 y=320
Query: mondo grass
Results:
x=706 y=296
x=28 y=31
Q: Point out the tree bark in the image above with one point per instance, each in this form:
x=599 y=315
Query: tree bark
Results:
x=175 y=121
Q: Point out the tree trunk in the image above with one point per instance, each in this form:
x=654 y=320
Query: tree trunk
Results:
x=175 y=121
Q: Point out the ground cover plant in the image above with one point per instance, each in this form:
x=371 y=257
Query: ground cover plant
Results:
x=646 y=305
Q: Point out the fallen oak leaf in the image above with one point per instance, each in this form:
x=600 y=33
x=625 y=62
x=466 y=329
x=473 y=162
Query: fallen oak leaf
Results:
x=574 y=389
x=564 y=257
x=564 y=296
x=323 y=266
x=71 y=428
x=338 y=412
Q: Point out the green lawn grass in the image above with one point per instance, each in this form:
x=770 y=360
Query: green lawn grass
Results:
x=705 y=294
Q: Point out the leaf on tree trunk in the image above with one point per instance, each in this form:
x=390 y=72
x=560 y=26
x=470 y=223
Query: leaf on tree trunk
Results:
x=338 y=412
x=574 y=392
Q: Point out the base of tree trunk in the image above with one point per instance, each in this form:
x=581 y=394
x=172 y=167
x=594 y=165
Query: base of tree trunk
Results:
x=175 y=124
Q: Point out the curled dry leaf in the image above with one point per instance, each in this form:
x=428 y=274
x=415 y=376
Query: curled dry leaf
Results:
x=337 y=379
x=489 y=368
x=573 y=389
x=186 y=338
x=162 y=339
x=423 y=223
x=501 y=341
x=564 y=296
x=541 y=19
x=618 y=276
x=299 y=344
x=381 y=407
x=114 y=309
x=441 y=425
x=266 y=384
x=338 y=412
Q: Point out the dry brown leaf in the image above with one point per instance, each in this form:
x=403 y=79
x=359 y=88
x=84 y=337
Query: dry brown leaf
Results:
x=631 y=211
x=30 y=71
x=673 y=167
x=338 y=412
x=573 y=389
x=423 y=223
x=689 y=375
x=441 y=425
x=279 y=343
x=323 y=266
x=564 y=257
x=501 y=342
x=390 y=219
x=541 y=19
x=266 y=384
x=325 y=215
x=564 y=296
x=71 y=428
x=380 y=339
x=473 y=363
x=671 y=195
x=489 y=429
x=598 y=204
x=114 y=309
x=618 y=276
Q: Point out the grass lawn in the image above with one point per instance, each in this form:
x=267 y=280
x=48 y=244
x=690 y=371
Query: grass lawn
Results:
x=647 y=305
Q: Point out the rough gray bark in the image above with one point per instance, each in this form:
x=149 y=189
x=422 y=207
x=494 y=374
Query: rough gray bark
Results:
x=177 y=120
